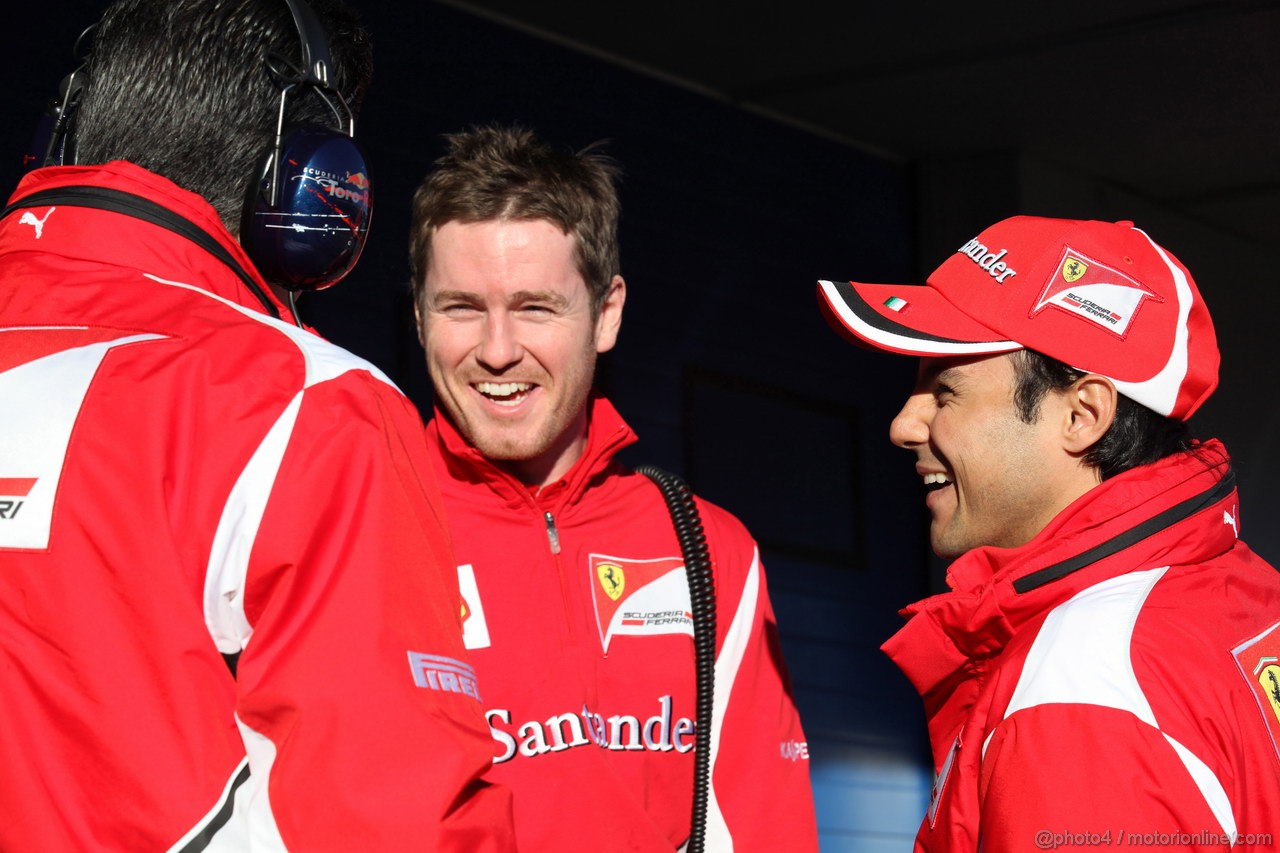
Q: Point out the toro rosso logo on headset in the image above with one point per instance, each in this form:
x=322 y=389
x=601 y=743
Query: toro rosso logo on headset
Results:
x=333 y=185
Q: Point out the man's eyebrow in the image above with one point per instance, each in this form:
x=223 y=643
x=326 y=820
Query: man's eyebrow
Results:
x=937 y=373
x=454 y=296
x=933 y=370
x=548 y=297
x=948 y=376
x=518 y=297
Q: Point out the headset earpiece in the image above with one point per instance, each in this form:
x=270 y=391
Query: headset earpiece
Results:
x=310 y=203
x=312 y=234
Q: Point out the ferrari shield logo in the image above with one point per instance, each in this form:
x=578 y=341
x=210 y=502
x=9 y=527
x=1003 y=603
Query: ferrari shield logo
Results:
x=1073 y=269
x=1259 y=662
x=1269 y=678
x=639 y=598
x=1095 y=292
x=612 y=579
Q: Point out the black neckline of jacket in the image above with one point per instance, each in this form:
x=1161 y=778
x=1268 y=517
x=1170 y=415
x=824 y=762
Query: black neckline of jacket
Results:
x=131 y=204
x=1132 y=536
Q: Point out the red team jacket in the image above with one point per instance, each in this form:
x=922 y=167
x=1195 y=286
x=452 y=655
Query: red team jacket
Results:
x=578 y=625
x=1112 y=684
x=182 y=476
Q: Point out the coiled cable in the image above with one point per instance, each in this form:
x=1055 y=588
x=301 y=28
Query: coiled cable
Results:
x=702 y=600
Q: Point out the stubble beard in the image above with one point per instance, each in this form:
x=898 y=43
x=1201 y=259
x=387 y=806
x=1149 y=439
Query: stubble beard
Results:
x=519 y=442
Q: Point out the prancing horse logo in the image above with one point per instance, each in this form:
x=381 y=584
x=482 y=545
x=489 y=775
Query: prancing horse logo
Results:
x=1270 y=683
x=1073 y=269
x=612 y=579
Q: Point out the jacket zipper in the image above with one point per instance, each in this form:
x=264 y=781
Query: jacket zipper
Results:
x=553 y=536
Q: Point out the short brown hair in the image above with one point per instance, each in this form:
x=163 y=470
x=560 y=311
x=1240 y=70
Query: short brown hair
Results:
x=495 y=172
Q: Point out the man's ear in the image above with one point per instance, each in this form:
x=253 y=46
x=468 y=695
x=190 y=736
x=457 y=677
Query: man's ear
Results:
x=417 y=321
x=610 y=319
x=1091 y=403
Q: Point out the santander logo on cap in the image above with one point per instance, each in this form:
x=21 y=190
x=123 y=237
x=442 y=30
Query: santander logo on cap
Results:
x=988 y=260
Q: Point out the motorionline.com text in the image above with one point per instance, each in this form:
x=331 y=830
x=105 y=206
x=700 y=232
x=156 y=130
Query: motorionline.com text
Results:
x=1050 y=840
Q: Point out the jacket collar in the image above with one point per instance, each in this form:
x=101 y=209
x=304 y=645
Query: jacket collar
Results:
x=133 y=240
x=607 y=433
x=1167 y=513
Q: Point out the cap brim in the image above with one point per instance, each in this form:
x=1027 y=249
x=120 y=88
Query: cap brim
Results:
x=908 y=319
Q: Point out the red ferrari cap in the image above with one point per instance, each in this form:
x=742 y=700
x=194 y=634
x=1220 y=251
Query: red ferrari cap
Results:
x=1100 y=296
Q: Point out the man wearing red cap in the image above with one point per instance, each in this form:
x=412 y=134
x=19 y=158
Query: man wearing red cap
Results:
x=1106 y=668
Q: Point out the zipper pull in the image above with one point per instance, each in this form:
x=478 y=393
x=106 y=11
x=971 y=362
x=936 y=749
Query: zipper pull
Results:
x=553 y=536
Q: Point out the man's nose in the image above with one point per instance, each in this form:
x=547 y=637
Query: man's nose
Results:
x=499 y=347
x=910 y=427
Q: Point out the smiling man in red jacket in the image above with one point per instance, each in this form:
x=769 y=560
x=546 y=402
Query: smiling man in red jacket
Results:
x=1104 y=671
x=578 y=608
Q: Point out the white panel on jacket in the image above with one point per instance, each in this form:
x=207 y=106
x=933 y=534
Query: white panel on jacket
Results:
x=1081 y=655
x=41 y=400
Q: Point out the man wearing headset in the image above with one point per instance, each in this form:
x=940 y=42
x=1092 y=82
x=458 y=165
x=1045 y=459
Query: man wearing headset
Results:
x=578 y=610
x=1103 y=672
x=228 y=609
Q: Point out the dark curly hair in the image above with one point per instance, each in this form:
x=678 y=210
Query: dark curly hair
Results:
x=1138 y=436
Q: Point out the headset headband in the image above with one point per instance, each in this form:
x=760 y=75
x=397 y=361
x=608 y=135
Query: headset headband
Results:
x=316 y=60
x=306 y=221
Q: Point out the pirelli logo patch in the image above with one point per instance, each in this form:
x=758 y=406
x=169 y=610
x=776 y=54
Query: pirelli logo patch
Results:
x=449 y=675
x=1259 y=663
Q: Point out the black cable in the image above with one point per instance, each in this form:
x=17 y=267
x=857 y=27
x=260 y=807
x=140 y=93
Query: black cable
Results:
x=702 y=600
x=293 y=309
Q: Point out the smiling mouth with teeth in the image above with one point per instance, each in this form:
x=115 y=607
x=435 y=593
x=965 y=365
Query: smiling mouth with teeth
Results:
x=504 y=393
x=933 y=482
